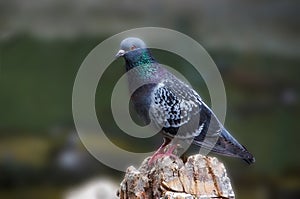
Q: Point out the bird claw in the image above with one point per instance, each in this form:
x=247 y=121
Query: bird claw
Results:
x=160 y=153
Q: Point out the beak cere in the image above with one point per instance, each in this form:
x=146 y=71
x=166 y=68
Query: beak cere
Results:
x=120 y=53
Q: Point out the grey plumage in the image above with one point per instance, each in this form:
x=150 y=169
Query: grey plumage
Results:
x=172 y=104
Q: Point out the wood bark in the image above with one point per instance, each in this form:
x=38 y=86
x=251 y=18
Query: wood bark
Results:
x=169 y=177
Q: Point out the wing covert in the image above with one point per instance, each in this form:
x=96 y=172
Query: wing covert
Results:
x=173 y=103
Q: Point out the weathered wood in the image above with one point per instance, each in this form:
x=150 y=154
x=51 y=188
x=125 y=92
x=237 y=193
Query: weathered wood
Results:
x=199 y=177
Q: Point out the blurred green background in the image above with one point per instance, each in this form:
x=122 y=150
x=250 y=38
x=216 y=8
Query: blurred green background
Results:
x=255 y=45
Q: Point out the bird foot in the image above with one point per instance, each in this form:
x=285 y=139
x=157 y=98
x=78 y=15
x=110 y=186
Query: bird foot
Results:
x=161 y=153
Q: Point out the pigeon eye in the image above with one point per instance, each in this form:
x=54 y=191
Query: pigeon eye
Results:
x=132 y=47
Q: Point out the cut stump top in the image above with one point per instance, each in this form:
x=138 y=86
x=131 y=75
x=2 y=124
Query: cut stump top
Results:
x=168 y=177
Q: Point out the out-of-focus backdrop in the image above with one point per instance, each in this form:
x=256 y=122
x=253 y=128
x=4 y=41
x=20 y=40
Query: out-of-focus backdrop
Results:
x=255 y=44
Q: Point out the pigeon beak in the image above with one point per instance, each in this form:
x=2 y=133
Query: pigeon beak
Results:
x=120 y=53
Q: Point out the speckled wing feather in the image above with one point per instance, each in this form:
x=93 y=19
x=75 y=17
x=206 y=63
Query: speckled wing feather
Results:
x=174 y=105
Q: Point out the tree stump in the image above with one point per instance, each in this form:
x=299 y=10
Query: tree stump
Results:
x=168 y=177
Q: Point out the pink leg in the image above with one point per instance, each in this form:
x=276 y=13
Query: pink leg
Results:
x=160 y=152
x=170 y=150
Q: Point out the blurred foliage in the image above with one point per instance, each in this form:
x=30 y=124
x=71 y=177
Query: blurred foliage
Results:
x=37 y=78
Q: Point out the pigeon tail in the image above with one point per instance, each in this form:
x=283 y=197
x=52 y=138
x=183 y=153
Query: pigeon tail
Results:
x=233 y=148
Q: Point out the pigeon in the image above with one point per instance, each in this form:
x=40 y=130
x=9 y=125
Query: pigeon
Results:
x=173 y=105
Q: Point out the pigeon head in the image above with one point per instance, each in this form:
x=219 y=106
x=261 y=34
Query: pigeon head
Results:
x=130 y=44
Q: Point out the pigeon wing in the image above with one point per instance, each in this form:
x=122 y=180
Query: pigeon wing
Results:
x=175 y=105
